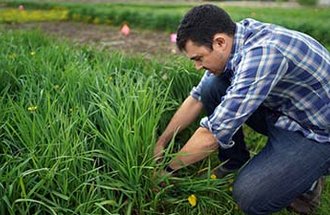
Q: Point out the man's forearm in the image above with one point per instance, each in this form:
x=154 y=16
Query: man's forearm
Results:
x=199 y=146
x=185 y=115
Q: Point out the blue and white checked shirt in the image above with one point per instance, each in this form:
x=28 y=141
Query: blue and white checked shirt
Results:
x=284 y=70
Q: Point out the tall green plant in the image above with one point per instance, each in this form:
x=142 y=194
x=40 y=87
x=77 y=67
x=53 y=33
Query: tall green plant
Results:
x=77 y=133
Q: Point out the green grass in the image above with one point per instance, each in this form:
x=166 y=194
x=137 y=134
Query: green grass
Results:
x=78 y=128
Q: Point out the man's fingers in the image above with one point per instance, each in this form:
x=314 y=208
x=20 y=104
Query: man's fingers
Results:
x=158 y=153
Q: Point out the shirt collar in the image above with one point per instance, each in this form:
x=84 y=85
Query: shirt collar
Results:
x=237 y=44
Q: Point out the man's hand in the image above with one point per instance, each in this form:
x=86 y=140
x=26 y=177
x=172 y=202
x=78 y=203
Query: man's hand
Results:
x=159 y=150
x=185 y=115
x=199 y=146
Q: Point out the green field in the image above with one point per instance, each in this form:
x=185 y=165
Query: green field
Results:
x=78 y=125
x=310 y=20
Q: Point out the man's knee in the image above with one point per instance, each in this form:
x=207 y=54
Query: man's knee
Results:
x=212 y=92
x=250 y=198
x=214 y=87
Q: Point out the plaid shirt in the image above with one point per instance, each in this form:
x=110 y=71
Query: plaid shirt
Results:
x=284 y=70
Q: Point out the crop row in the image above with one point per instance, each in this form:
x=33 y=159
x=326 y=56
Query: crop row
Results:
x=15 y=16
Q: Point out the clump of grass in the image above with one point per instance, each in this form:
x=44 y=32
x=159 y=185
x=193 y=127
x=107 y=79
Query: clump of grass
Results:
x=78 y=128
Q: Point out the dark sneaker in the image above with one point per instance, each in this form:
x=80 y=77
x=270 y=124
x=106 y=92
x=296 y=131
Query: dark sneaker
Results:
x=308 y=202
x=221 y=172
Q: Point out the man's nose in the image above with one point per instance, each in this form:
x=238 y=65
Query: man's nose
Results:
x=198 y=65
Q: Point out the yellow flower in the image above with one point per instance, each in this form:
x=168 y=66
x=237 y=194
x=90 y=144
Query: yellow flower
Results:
x=33 y=53
x=213 y=176
x=32 y=108
x=192 y=199
x=12 y=56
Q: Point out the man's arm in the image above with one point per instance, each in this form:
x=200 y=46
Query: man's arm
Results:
x=186 y=114
x=257 y=74
x=199 y=146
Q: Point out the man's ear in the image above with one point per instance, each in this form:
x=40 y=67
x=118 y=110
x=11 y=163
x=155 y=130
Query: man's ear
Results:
x=220 y=41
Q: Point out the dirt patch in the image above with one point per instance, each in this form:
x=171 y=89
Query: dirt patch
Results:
x=147 y=43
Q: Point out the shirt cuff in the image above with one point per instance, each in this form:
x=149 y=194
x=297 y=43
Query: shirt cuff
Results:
x=205 y=123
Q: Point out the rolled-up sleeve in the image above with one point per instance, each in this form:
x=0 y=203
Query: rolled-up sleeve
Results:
x=256 y=74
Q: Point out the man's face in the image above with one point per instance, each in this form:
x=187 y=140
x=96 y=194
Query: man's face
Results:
x=205 y=58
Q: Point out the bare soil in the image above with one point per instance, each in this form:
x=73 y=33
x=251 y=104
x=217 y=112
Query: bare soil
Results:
x=147 y=43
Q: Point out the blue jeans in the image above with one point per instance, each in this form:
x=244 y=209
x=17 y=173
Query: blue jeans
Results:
x=285 y=168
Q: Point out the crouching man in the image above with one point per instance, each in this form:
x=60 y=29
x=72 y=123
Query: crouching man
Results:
x=273 y=79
